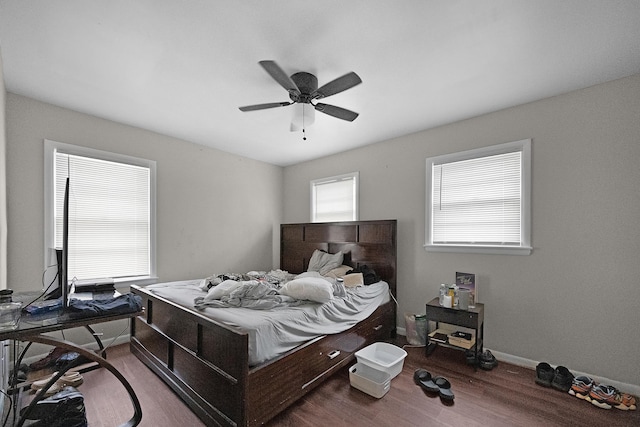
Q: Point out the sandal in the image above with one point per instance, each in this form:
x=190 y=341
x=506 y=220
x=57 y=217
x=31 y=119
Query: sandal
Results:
x=421 y=376
x=444 y=389
x=440 y=385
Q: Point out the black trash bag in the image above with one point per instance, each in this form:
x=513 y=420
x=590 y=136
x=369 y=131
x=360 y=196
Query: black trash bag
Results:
x=368 y=274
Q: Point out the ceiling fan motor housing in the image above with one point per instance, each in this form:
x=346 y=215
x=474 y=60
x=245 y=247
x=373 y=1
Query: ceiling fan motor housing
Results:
x=307 y=84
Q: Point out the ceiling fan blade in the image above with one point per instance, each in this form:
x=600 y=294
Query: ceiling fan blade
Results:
x=338 y=85
x=340 y=113
x=280 y=76
x=264 y=106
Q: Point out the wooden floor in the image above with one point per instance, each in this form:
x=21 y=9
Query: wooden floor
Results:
x=505 y=396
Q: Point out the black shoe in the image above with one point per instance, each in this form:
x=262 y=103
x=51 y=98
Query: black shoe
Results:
x=487 y=360
x=470 y=355
x=49 y=359
x=544 y=374
x=562 y=379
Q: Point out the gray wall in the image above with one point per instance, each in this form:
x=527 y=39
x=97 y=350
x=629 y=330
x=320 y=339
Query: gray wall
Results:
x=216 y=212
x=207 y=220
x=574 y=301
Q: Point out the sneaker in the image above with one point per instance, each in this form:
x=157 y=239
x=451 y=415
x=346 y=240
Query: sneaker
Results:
x=49 y=359
x=562 y=379
x=628 y=401
x=544 y=374
x=581 y=386
x=607 y=397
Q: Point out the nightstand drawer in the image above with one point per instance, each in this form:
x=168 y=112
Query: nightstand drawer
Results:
x=456 y=317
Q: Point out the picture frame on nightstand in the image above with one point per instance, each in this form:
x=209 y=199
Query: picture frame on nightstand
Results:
x=468 y=281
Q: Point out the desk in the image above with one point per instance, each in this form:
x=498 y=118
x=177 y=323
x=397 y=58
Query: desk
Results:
x=32 y=328
x=472 y=318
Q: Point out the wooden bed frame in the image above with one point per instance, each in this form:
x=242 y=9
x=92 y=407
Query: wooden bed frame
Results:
x=206 y=362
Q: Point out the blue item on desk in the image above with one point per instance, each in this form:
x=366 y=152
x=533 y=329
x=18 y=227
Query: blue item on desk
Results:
x=40 y=307
x=122 y=304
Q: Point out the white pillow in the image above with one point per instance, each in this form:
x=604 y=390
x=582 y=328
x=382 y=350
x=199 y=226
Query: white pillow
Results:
x=222 y=289
x=309 y=288
x=324 y=262
x=308 y=274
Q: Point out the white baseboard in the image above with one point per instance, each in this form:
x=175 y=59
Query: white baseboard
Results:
x=93 y=346
x=528 y=363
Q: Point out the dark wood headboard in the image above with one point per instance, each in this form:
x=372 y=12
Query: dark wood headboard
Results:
x=371 y=243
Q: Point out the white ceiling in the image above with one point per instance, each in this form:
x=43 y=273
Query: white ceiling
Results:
x=182 y=68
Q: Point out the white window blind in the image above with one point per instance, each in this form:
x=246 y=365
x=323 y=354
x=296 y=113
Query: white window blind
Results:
x=477 y=201
x=109 y=216
x=479 y=198
x=334 y=198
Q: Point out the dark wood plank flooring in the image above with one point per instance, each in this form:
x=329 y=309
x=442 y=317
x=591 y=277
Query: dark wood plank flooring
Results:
x=505 y=396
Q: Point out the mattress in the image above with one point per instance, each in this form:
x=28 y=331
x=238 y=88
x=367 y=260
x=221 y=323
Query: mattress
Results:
x=276 y=331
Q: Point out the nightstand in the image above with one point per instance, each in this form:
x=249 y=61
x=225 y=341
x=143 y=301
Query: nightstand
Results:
x=473 y=318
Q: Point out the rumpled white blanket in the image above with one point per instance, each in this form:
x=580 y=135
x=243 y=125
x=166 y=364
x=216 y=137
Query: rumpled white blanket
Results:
x=254 y=294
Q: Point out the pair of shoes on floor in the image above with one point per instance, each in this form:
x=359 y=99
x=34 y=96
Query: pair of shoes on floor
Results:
x=71 y=378
x=559 y=378
x=431 y=384
x=487 y=361
x=65 y=408
x=600 y=395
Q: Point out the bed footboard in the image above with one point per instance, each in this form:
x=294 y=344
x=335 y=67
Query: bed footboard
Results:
x=203 y=361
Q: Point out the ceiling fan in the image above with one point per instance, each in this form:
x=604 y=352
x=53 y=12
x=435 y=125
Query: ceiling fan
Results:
x=303 y=89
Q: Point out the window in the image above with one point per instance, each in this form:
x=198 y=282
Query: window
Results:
x=111 y=212
x=335 y=198
x=479 y=200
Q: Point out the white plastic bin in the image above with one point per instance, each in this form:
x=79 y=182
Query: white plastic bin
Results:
x=383 y=356
x=369 y=380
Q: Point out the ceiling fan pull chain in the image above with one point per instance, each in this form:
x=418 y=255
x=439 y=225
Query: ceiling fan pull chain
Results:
x=304 y=135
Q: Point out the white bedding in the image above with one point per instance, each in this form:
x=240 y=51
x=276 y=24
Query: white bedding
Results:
x=273 y=332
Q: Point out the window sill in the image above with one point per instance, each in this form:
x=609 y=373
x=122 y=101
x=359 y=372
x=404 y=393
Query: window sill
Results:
x=491 y=250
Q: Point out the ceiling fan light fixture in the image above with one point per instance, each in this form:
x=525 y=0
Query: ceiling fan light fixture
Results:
x=304 y=115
